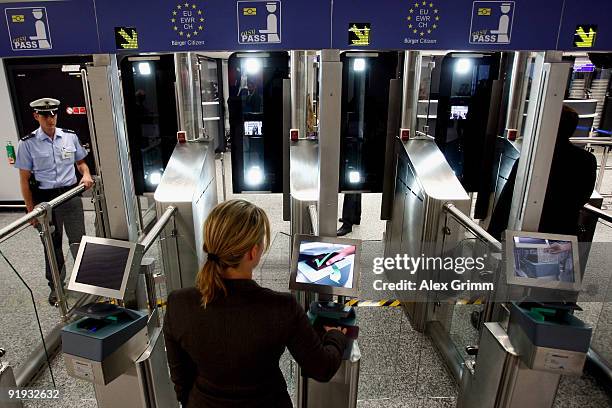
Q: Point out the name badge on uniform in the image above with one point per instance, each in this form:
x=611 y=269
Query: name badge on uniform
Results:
x=67 y=153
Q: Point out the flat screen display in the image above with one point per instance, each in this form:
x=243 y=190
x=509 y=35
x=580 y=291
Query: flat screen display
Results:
x=543 y=259
x=458 y=112
x=253 y=128
x=103 y=266
x=326 y=264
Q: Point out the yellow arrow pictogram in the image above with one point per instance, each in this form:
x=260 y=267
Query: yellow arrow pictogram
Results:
x=363 y=35
x=587 y=39
x=132 y=41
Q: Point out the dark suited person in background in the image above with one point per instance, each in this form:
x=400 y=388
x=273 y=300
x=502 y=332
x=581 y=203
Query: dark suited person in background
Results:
x=573 y=173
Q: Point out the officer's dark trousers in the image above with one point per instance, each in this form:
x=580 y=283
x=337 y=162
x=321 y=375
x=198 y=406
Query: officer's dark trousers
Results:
x=69 y=216
x=351 y=209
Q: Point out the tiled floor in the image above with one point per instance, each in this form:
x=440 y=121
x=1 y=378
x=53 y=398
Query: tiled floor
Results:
x=399 y=366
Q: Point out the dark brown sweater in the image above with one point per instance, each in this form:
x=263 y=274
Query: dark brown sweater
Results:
x=227 y=354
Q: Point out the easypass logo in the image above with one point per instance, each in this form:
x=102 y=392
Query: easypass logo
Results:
x=259 y=22
x=28 y=28
x=491 y=22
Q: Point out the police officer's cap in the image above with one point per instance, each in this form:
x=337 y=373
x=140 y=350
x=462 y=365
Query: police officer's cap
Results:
x=45 y=106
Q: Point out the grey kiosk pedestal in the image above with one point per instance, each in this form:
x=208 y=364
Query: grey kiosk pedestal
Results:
x=520 y=361
x=322 y=268
x=120 y=351
x=103 y=350
x=341 y=390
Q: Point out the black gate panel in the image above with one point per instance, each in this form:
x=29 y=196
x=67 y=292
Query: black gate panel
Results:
x=365 y=99
x=466 y=84
x=256 y=120
x=150 y=110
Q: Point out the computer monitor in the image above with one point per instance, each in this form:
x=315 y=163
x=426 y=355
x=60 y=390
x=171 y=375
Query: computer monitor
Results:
x=325 y=265
x=458 y=112
x=102 y=266
x=253 y=127
x=542 y=260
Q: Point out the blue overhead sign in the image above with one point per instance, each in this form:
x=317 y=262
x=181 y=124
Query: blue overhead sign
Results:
x=586 y=26
x=451 y=24
x=217 y=25
x=62 y=27
x=48 y=28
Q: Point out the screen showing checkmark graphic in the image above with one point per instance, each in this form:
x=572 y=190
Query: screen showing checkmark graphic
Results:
x=319 y=262
x=314 y=264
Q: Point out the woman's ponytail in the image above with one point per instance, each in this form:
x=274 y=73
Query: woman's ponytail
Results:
x=230 y=231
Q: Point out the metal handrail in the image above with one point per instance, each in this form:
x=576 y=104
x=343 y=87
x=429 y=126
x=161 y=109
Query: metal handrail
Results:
x=596 y=141
x=470 y=225
x=590 y=140
x=42 y=213
x=598 y=212
x=39 y=210
x=147 y=240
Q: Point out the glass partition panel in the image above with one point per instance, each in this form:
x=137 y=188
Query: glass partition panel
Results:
x=427 y=106
x=212 y=98
x=74 y=218
x=596 y=297
x=25 y=314
x=476 y=263
x=154 y=254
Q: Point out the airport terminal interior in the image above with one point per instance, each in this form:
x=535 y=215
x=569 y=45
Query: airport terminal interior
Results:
x=361 y=155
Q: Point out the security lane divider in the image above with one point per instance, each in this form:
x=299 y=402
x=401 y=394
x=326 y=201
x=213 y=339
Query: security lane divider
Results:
x=373 y=303
x=378 y=303
x=397 y=303
x=478 y=301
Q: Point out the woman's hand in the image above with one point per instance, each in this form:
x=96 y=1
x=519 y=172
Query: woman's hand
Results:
x=340 y=329
x=557 y=248
x=341 y=255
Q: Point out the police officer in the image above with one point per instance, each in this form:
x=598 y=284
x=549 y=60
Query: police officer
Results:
x=46 y=161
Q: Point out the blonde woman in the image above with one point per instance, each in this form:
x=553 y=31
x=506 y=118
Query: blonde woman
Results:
x=224 y=338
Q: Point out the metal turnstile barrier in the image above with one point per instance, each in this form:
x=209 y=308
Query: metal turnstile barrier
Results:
x=340 y=391
x=424 y=183
x=189 y=184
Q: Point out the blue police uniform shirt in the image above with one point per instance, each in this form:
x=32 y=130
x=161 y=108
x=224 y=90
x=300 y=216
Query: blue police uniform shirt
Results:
x=51 y=161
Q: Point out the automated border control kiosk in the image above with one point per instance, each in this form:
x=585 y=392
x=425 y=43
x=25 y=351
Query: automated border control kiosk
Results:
x=520 y=361
x=120 y=351
x=328 y=269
